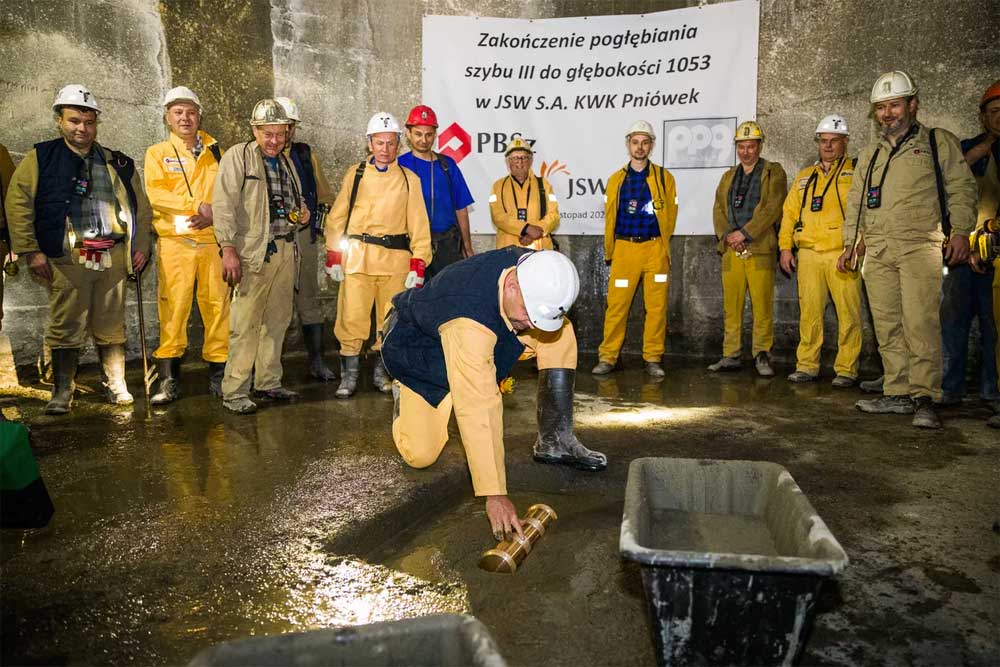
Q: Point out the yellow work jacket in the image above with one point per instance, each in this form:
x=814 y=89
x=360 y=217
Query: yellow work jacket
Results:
x=167 y=164
x=909 y=212
x=388 y=202
x=763 y=226
x=507 y=196
x=240 y=205
x=821 y=230
x=663 y=189
x=20 y=205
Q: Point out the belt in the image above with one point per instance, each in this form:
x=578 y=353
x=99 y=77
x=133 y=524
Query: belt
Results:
x=635 y=239
x=290 y=236
x=390 y=241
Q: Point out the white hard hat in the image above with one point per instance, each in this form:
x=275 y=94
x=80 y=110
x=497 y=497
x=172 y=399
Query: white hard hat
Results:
x=75 y=95
x=291 y=108
x=641 y=127
x=181 y=94
x=833 y=124
x=549 y=285
x=891 y=85
x=269 y=112
x=383 y=122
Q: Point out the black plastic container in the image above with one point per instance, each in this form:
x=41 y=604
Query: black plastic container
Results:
x=441 y=639
x=733 y=558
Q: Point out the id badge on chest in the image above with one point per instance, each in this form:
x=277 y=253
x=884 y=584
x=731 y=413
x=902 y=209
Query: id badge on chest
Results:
x=633 y=206
x=522 y=215
x=81 y=186
x=278 y=206
x=738 y=201
x=875 y=196
x=817 y=204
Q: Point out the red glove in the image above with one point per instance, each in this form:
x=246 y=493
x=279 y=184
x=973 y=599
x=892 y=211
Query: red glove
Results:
x=415 y=278
x=334 y=265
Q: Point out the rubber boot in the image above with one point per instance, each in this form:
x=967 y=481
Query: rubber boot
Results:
x=381 y=378
x=556 y=441
x=312 y=335
x=113 y=374
x=64 y=362
x=350 y=367
x=216 y=371
x=169 y=370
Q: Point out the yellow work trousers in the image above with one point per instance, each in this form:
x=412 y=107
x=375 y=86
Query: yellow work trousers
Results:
x=307 y=295
x=904 y=292
x=756 y=274
x=358 y=293
x=182 y=265
x=258 y=319
x=631 y=263
x=83 y=301
x=421 y=430
x=819 y=281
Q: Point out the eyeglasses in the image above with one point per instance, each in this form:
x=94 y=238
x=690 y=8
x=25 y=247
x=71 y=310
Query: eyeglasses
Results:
x=519 y=158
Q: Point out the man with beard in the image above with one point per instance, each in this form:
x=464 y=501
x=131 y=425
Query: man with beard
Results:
x=640 y=213
x=910 y=176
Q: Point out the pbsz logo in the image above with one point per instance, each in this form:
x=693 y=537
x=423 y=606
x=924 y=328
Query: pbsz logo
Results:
x=699 y=143
x=455 y=142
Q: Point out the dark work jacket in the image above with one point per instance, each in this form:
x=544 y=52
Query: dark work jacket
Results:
x=58 y=166
x=412 y=350
x=302 y=159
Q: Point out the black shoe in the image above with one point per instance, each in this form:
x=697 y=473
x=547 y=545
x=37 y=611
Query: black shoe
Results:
x=312 y=336
x=925 y=415
x=277 y=394
x=872 y=386
x=216 y=371
x=64 y=363
x=556 y=442
x=170 y=386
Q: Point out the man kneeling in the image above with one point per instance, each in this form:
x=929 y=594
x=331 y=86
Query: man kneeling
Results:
x=450 y=343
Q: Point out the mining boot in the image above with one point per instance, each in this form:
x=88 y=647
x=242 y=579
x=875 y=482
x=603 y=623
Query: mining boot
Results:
x=113 y=374
x=381 y=377
x=170 y=386
x=350 y=367
x=216 y=371
x=556 y=441
x=64 y=361
x=312 y=335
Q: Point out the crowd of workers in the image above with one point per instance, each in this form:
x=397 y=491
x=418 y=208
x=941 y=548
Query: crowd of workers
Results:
x=241 y=231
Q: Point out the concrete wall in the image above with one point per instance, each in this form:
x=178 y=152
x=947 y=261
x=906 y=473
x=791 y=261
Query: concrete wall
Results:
x=344 y=60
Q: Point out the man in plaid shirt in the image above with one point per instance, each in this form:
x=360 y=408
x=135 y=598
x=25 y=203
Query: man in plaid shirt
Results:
x=640 y=213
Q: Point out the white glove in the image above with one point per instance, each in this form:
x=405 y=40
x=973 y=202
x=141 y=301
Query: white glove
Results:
x=334 y=266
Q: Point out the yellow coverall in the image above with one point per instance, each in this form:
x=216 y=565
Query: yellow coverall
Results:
x=631 y=262
x=989 y=202
x=81 y=300
x=507 y=196
x=818 y=235
x=6 y=171
x=756 y=273
x=177 y=184
x=903 y=264
x=421 y=431
x=389 y=202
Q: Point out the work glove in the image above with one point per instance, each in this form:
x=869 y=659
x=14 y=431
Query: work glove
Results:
x=96 y=254
x=415 y=278
x=334 y=265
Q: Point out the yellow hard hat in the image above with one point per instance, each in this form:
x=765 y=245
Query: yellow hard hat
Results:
x=518 y=144
x=749 y=130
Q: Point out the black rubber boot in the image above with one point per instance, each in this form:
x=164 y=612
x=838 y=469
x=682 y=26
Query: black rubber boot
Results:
x=170 y=387
x=216 y=371
x=381 y=378
x=556 y=441
x=64 y=362
x=350 y=368
x=312 y=335
x=113 y=374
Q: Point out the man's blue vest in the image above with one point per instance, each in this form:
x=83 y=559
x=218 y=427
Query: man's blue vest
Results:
x=58 y=166
x=412 y=351
x=302 y=159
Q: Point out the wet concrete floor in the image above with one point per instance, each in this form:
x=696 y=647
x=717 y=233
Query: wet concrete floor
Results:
x=190 y=526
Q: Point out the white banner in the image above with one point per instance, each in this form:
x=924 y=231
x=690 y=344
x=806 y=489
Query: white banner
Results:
x=573 y=86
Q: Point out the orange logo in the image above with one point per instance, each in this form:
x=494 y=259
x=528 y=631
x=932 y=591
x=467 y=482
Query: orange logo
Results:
x=556 y=167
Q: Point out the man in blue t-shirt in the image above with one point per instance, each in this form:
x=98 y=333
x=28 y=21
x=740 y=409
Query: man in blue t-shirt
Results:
x=446 y=195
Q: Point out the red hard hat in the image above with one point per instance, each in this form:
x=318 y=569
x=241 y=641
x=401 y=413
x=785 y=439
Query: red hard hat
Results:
x=422 y=115
x=992 y=93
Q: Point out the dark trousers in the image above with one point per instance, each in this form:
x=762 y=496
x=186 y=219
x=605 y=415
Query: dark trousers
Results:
x=968 y=294
x=447 y=249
